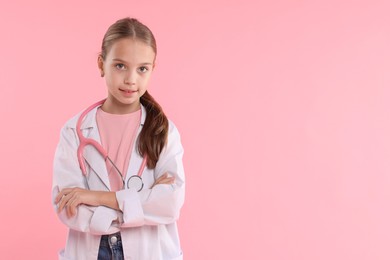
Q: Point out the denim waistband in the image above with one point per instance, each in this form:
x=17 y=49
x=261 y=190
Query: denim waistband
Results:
x=111 y=239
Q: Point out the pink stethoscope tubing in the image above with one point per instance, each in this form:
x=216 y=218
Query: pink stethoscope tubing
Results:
x=134 y=181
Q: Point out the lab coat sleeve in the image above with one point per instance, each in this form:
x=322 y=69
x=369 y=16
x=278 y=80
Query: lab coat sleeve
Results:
x=162 y=203
x=67 y=174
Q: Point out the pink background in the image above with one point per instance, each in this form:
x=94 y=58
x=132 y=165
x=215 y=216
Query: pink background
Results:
x=283 y=107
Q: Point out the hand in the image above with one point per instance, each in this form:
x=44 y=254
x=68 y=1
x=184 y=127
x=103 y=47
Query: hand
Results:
x=164 y=179
x=70 y=198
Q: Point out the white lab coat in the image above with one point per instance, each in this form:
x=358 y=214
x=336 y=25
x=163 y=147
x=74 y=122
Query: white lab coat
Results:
x=147 y=219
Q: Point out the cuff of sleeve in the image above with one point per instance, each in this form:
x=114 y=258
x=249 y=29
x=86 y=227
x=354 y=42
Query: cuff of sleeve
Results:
x=130 y=204
x=102 y=219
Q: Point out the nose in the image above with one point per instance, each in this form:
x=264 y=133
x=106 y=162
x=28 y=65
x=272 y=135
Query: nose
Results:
x=130 y=78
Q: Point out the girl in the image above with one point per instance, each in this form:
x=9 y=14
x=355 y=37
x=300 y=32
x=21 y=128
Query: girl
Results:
x=114 y=207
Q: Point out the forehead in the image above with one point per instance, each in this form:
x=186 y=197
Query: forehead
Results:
x=131 y=50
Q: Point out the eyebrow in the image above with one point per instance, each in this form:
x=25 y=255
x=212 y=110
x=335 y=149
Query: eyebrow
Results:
x=120 y=60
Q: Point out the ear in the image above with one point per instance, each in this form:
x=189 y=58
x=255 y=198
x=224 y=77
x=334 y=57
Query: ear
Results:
x=100 y=63
x=154 y=65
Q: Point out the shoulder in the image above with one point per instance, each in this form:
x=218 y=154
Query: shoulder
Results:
x=174 y=144
x=71 y=123
x=173 y=147
x=172 y=130
x=88 y=121
x=68 y=130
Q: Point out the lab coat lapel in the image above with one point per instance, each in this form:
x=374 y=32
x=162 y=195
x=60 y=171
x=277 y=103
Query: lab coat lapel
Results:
x=134 y=164
x=136 y=159
x=95 y=159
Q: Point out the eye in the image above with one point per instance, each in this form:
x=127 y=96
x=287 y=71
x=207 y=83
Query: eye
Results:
x=143 y=69
x=120 y=66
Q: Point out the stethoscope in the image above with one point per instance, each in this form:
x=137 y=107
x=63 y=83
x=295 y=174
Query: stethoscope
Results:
x=134 y=182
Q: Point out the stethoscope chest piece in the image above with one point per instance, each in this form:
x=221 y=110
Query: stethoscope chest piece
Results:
x=135 y=182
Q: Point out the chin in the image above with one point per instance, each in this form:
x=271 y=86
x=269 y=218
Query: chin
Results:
x=128 y=101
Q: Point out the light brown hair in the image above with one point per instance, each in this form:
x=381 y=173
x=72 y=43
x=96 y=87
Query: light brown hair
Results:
x=154 y=134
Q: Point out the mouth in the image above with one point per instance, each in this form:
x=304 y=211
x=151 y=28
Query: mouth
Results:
x=128 y=91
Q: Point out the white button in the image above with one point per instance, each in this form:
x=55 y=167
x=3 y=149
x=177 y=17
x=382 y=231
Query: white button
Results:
x=113 y=239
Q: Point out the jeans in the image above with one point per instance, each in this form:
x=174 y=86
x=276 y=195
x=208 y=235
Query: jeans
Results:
x=111 y=247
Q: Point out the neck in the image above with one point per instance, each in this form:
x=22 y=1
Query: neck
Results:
x=112 y=106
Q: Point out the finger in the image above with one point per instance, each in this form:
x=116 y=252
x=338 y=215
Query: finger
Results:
x=61 y=204
x=62 y=193
x=69 y=211
x=165 y=175
x=168 y=180
x=73 y=205
x=75 y=211
x=70 y=206
x=59 y=196
x=160 y=179
x=57 y=199
x=64 y=200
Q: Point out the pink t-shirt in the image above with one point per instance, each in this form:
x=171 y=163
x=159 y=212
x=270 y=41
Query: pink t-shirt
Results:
x=117 y=135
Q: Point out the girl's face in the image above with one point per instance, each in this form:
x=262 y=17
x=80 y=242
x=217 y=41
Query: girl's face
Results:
x=127 y=69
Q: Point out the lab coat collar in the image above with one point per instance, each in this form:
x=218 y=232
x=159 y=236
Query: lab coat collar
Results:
x=90 y=119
